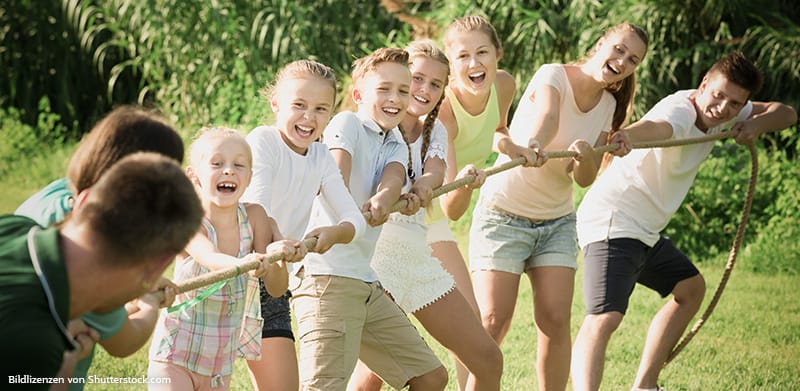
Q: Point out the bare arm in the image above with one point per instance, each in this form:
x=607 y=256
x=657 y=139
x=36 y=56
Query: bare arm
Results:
x=766 y=117
x=266 y=232
x=388 y=192
x=456 y=202
x=502 y=141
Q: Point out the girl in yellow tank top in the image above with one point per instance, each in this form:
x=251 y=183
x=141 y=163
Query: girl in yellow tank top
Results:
x=475 y=111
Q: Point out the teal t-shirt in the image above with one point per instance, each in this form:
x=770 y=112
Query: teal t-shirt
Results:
x=49 y=206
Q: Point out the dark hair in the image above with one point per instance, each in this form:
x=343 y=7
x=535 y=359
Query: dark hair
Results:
x=740 y=70
x=144 y=206
x=123 y=131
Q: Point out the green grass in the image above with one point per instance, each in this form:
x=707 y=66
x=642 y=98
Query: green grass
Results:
x=751 y=342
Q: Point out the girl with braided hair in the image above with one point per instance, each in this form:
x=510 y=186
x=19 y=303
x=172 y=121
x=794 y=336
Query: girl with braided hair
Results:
x=403 y=261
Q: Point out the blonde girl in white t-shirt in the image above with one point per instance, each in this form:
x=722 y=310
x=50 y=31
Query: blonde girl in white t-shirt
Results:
x=525 y=219
x=289 y=169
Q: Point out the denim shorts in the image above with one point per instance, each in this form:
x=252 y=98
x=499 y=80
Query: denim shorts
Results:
x=503 y=241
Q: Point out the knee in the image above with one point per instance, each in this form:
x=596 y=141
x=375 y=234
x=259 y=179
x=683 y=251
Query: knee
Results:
x=491 y=358
x=603 y=324
x=493 y=324
x=690 y=291
x=553 y=323
x=433 y=380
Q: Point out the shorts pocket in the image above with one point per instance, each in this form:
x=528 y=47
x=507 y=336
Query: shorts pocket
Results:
x=322 y=349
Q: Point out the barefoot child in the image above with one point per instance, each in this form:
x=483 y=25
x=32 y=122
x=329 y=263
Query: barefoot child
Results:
x=524 y=222
x=342 y=310
x=290 y=168
x=403 y=260
x=196 y=343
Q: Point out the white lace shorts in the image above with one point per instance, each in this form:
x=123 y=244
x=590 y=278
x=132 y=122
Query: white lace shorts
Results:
x=406 y=268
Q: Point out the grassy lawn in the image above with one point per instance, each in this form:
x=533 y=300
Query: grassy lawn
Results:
x=752 y=341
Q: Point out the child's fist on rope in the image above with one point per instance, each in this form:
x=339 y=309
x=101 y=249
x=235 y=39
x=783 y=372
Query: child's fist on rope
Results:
x=623 y=142
x=479 y=175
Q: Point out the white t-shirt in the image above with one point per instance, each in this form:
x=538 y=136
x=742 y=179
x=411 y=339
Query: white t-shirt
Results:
x=371 y=149
x=637 y=195
x=545 y=193
x=285 y=183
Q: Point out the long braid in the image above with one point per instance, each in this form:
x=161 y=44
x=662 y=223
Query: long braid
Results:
x=427 y=129
x=410 y=169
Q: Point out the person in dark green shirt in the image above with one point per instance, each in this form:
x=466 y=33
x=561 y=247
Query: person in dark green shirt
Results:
x=123 y=232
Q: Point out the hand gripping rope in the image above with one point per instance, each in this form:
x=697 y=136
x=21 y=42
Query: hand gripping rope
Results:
x=247 y=265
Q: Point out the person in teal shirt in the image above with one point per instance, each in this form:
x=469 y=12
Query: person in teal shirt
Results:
x=50 y=277
x=123 y=131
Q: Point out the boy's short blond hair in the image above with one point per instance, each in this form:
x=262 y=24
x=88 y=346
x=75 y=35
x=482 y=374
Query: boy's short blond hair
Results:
x=368 y=63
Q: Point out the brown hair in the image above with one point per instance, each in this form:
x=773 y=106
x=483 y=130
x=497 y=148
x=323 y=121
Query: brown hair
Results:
x=300 y=69
x=142 y=207
x=123 y=131
x=740 y=70
x=426 y=48
x=369 y=62
x=625 y=89
x=474 y=23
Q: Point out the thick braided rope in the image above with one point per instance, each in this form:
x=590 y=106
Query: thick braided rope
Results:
x=222 y=274
x=737 y=241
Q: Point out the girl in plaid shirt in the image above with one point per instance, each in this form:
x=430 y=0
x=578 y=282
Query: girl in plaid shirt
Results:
x=197 y=341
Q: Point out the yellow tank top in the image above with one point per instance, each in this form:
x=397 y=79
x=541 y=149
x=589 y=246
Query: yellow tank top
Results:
x=473 y=143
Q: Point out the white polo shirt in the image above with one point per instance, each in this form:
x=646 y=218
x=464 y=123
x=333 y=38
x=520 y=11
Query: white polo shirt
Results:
x=371 y=150
x=638 y=194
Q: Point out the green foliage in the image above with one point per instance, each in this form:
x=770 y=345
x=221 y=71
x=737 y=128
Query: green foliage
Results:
x=706 y=223
x=22 y=141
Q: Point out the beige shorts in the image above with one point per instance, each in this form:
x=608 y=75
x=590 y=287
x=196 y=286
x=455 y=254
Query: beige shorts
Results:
x=439 y=231
x=340 y=317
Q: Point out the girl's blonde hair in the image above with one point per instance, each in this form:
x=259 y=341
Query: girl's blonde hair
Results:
x=474 y=23
x=197 y=148
x=625 y=89
x=427 y=48
x=300 y=69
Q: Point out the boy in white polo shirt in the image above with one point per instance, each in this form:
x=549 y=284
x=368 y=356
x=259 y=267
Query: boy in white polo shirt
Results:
x=620 y=218
x=342 y=311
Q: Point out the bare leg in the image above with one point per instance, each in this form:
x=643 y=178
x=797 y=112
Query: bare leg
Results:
x=434 y=380
x=667 y=327
x=553 y=288
x=450 y=321
x=589 y=352
x=277 y=369
x=451 y=259
x=363 y=379
x=496 y=293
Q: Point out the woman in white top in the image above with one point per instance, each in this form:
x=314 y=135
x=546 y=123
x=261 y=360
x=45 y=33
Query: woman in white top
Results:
x=525 y=219
x=289 y=170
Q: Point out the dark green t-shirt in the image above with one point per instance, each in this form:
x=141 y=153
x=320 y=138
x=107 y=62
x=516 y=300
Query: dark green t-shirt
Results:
x=33 y=344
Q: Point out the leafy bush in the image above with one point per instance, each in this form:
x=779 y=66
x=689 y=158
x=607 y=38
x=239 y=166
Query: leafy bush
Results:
x=22 y=141
x=706 y=223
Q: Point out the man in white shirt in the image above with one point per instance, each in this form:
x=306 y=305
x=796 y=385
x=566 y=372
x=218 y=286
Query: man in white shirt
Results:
x=620 y=218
